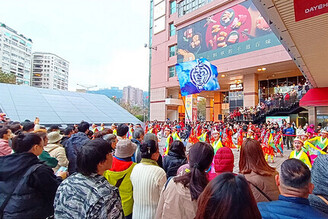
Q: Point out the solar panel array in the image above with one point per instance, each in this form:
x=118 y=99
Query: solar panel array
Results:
x=60 y=107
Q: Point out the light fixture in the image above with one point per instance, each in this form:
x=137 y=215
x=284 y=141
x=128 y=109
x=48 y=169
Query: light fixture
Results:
x=261 y=69
x=222 y=76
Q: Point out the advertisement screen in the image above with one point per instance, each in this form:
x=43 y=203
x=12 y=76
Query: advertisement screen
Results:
x=277 y=119
x=237 y=30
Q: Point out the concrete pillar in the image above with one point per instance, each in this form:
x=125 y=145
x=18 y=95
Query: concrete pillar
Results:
x=251 y=87
x=217 y=108
x=312 y=112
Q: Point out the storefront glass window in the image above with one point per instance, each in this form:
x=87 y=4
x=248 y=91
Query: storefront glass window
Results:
x=292 y=81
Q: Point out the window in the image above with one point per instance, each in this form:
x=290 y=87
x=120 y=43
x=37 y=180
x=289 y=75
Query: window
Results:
x=173 y=7
x=172 y=29
x=172 y=50
x=172 y=72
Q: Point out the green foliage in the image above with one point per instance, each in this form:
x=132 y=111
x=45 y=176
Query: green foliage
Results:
x=7 y=78
x=201 y=109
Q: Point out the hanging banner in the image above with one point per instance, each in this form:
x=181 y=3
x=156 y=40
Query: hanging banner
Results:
x=305 y=9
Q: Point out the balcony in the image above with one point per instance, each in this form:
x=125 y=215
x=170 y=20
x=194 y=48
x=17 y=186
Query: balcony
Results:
x=173 y=102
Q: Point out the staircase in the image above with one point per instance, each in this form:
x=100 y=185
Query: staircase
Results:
x=293 y=108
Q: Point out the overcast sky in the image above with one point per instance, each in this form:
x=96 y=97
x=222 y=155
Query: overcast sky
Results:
x=102 y=39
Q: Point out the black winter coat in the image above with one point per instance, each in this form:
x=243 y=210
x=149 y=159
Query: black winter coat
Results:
x=172 y=162
x=35 y=186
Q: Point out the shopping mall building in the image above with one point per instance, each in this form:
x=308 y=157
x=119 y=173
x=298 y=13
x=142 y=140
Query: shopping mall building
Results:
x=255 y=45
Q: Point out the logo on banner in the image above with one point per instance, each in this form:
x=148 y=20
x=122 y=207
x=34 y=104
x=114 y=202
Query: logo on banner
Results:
x=200 y=75
x=197 y=76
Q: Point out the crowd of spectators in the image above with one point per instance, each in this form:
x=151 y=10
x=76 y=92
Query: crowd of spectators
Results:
x=120 y=172
x=274 y=101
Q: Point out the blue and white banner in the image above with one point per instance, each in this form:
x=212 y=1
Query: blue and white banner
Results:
x=197 y=76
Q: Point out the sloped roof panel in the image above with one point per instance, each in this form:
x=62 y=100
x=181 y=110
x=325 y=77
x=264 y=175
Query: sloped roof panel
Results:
x=60 y=107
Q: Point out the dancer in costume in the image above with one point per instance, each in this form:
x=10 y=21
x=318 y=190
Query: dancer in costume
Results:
x=169 y=140
x=298 y=153
x=317 y=145
x=267 y=149
x=204 y=137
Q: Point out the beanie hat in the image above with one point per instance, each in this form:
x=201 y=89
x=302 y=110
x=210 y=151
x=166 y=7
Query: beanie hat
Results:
x=125 y=148
x=319 y=175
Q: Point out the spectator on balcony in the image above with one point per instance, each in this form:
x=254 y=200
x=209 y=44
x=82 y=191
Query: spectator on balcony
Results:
x=299 y=90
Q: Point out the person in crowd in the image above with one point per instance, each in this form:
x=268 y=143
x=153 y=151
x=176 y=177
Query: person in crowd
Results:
x=122 y=130
x=223 y=162
x=258 y=173
x=138 y=136
x=114 y=128
x=27 y=186
x=112 y=139
x=319 y=177
x=289 y=132
x=54 y=128
x=15 y=128
x=174 y=159
x=74 y=143
x=152 y=136
x=56 y=150
x=45 y=156
x=298 y=153
x=294 y=183
x=5 y=137
x=86 y=193
x=147 y=180
x=227 y=196
x=68 y=132
x=28 y=127
x=119 y=174
x=179 y=198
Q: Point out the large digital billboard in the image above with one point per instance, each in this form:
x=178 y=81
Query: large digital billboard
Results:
x=236 y=30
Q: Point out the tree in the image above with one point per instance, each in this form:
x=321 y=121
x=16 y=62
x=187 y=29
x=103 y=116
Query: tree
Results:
x=7 y=78
x=201 y=109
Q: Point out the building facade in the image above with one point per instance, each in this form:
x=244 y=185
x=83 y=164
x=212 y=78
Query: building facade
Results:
x=49 y=71
x=232 y=35
x=15 y=54
x=133 y=96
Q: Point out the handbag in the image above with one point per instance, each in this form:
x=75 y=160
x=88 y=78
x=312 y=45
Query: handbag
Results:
x=28 y=171
x=258 y=189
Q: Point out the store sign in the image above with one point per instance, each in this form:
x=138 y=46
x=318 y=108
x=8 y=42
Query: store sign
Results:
x=309 y=8
x=236 y=86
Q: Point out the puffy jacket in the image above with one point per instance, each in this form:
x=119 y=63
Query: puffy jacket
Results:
x=266 y=183
x=34 y=194
x=172 y=162
x=223 y=162
x=72 y=144
x=289 y=207
x=57 y=151
x=5 y=149
x=125 y=188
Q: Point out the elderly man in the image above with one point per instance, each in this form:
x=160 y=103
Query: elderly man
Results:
x=294 y=183
x=5 y=135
